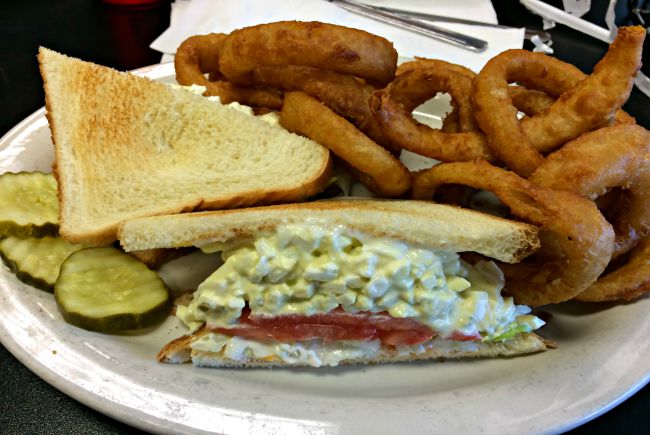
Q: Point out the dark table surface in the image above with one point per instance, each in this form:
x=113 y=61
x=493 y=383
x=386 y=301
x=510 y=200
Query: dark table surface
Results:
x=119 y=37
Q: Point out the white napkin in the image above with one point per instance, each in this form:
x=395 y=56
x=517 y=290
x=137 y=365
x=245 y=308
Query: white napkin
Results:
x=193 y=17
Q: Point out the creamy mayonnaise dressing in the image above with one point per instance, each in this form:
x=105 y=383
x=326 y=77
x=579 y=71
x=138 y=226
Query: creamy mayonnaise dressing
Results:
x=308 y=269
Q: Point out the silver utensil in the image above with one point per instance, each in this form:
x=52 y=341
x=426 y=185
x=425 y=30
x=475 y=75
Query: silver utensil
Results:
x=414 y=25
x=543 y=36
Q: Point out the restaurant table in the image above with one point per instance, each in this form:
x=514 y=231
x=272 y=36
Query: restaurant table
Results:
x=119 y=37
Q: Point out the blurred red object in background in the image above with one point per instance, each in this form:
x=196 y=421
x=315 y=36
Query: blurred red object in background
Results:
x=134 y=3
x=132 y=25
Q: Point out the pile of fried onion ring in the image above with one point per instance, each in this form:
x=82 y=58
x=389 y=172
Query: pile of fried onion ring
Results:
x=581 y=106
x=551 y=142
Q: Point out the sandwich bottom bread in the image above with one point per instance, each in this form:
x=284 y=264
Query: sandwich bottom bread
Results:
x=345 y=282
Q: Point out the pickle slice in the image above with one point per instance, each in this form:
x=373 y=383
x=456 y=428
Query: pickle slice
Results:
x=29 y=205
x=36 y=261
x=105 y=290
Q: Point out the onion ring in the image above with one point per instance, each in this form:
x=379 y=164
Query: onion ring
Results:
x=627 y=282
x=451 y=122
x=393 y=105
x=380 y=171
x=532 y=102
x=345 y=94
x=419 y=80
x=594 y=163
x=577 y=241
x=327 y=46
x=528 y=101
x=590 y=104
x=198 y=55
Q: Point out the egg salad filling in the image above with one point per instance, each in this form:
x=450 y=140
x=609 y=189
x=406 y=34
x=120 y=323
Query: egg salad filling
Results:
x=313 y=353
x=309 y=268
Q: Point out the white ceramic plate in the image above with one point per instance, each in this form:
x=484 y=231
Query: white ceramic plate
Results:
x=603 y=357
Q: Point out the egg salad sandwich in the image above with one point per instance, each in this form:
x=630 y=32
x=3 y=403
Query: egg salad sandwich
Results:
x=345 y=282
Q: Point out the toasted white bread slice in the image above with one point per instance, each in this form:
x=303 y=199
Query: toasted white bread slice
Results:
x=435 y=226
x=179 y=351
x=126 y=146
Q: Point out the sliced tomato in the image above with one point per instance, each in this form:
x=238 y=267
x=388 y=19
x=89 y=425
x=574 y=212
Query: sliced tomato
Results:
x=301 y=332
x=405 y=338
x=382 y=321
x=334 y=326
x=459 y=336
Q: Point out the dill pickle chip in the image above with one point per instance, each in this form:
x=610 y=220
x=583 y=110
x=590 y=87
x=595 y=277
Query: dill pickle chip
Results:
x=30 y=206
x=106 y=290
x=36 y=261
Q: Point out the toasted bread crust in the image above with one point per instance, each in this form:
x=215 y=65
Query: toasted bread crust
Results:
x=432 y=225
